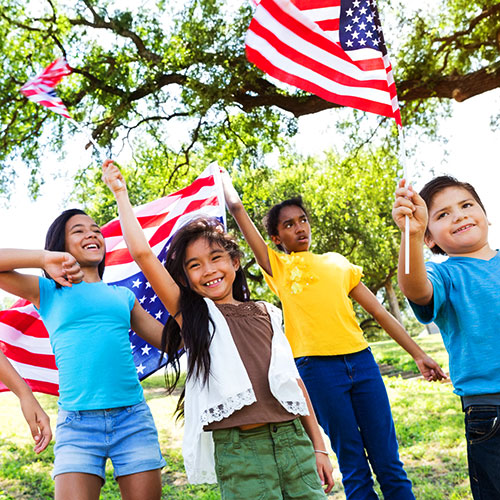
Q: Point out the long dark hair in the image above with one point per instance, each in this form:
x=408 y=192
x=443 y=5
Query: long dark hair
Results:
x=438 y=184
x=55 y=241
x=196 y=331
x=272 y=217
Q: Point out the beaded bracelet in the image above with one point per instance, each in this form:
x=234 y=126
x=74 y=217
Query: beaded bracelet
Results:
x=321 y=451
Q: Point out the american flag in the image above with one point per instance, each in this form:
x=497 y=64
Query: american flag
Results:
x=41 y=89
x=23 y=337
x=331 y=48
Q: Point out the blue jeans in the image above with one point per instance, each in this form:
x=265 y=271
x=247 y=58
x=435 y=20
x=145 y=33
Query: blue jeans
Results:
x=351 y=404
x=482 y=430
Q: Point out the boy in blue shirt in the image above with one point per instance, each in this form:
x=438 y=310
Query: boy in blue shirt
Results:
x=462 y=296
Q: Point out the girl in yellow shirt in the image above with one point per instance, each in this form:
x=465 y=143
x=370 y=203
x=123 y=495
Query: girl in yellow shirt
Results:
x=333 y=358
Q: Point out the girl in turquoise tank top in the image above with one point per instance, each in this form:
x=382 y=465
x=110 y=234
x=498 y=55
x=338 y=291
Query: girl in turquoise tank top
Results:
x=102 y=412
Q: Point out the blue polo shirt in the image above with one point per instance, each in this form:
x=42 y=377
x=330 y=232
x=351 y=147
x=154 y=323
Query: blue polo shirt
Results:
x=88 y=326
x=466 y=308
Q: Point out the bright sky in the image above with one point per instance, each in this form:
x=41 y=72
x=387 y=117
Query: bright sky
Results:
x=473 y=149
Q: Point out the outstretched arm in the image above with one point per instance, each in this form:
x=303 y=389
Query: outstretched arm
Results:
x=62 y=266
x=159 y=278
x=311 y=427
x=416 y=286
x=247 y=227
x=37 y=419
x=429 y=369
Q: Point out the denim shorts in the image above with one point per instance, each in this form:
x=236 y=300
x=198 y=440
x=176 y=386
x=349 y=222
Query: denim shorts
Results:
x=126 y=435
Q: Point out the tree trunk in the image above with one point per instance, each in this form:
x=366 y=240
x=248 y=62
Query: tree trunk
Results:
x=393 y=301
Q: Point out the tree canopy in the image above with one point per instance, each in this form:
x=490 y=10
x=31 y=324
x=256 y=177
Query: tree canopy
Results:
x=175 y=77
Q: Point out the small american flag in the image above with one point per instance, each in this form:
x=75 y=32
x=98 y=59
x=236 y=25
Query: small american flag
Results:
x=331 y=48
x=23 y=337
x=41 y=89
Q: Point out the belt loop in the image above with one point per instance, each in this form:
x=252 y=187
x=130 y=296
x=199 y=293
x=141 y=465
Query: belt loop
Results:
x=298 y=427
x=235 y=437
x=78 y=415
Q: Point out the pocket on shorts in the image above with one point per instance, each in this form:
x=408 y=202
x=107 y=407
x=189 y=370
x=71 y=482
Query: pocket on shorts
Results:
x=237 y=468
x=306 y=461
x=65 y=417
x=481 y=424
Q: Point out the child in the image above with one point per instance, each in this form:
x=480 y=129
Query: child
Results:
x=461 y=295
x=102 y=412
x=242 y=384
x=37 y=419
x=333 y=359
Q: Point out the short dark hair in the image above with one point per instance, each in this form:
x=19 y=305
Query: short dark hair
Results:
x=55 y=241
x=438 y=184
x=271 y=219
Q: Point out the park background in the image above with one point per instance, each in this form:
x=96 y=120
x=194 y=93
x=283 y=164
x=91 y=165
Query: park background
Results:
x=346 y=164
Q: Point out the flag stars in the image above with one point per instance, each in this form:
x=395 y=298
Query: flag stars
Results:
x=142 y=299
x=363 y=10
x=362 y=42
x=153 y=298
x=132 y=346
x=145 y=350
x=140 y=368
x=362 y=26
x=355 y=35
x=355 y=20
x=349 y=12
x=369 y=18
x=159 y=314
x=136 y=283
x=356 y=3
x=148 y=285
x=349 y=43
x=348 y=27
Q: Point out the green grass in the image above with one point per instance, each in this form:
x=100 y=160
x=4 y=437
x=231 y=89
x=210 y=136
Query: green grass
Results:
x=429 y=425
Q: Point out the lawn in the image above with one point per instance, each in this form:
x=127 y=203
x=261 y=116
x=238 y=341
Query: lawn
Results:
x=428 y=418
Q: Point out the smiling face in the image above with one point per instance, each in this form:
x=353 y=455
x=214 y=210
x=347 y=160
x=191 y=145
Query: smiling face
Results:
x=294 y=231
x=457 y=223
x=84 y=240
x=210 y=270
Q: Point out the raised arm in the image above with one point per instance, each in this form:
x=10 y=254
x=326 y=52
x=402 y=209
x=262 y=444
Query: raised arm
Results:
x=37 y=419
x=62 y=266
x=429 y=369
x=415 y=285
x=247 y=227
x=159 y=278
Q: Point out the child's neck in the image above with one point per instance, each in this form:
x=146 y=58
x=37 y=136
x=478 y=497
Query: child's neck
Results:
x=91 y=275
x=483 y=253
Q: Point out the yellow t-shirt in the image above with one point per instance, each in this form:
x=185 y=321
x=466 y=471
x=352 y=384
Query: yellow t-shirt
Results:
x=314 y=291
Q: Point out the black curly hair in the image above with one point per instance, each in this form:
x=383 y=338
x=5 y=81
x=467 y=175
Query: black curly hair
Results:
x=271 y=219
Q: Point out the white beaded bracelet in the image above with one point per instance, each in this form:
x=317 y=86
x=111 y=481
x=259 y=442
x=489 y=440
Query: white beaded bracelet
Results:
x=321 y=451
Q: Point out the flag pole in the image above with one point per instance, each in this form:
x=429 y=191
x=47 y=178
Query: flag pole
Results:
x=82 y=129
x=407 y=219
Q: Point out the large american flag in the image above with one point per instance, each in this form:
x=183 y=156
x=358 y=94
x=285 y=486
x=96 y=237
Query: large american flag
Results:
x=41 y=88
x=331 y=48
x=23 y=337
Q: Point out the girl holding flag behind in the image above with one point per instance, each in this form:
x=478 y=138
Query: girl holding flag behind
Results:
x=37 y=419
x=248 y=419
x=332 y=357
x=102 y=413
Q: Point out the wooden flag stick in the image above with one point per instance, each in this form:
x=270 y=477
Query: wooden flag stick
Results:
x=407 y=219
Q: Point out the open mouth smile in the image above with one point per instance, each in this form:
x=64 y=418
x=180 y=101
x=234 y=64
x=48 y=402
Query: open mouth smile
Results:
x=463 y=228
x=213 y=282
x=91 y=246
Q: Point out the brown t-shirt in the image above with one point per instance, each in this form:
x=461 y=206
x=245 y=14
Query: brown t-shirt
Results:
x=251 y=329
